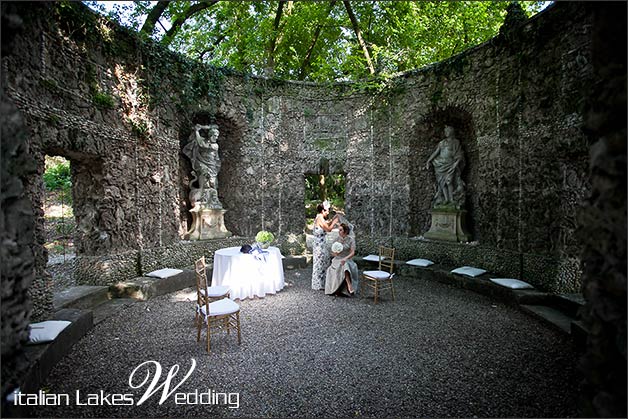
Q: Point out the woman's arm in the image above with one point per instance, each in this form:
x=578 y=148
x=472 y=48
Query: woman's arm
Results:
x=350 y=255
x=325 y=225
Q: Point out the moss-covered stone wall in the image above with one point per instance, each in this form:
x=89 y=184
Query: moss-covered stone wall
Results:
x=121 y=109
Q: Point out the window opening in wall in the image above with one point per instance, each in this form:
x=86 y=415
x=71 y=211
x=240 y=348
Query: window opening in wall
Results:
x=319 y=188
x=59 y=222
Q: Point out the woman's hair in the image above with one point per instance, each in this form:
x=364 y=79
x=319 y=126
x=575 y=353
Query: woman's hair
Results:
x=320 y=208
x=345 y=227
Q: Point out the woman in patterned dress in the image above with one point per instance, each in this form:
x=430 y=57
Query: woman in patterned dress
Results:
x=319 y=248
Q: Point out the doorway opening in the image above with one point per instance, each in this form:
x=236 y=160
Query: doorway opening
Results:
x=59 y=221
x=323 y=187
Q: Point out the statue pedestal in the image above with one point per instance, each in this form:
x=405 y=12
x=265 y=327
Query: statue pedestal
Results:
x=208 y=223
x=448 y=225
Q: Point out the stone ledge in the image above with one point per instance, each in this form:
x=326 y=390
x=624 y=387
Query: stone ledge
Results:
x=550 y=316
x=143 y=288
x=296 y=262
x=558 y=311
x=44 y=356
x=81 y=296
x=441 y=273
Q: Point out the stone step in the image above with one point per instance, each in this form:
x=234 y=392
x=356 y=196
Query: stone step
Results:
x=551 y=316
x=81 y=296
x=111 y=307
x=569 y=304
x=144 y=288
x=579 y=332
x=44 y=356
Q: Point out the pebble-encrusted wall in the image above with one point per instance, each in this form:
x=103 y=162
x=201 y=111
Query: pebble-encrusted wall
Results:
x=17 y=225
x=121 y=109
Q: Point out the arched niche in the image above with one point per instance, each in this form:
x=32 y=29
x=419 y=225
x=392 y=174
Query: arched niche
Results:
x=429 y=131
x=230 y=174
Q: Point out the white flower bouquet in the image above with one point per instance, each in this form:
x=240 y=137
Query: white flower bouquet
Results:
x=336 y=247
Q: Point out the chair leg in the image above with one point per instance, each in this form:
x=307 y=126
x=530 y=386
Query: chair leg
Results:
x=376 y=291
x=208 y=334
x=238 y=325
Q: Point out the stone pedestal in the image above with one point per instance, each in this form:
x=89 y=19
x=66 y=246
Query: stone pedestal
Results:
x=448 y=225
x=208 y=223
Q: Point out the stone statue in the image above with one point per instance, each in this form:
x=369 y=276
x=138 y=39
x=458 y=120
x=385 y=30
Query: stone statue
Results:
x=202 y=150
x=448 y=161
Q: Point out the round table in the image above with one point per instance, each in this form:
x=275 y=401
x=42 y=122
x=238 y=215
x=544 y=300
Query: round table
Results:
x=248 y=275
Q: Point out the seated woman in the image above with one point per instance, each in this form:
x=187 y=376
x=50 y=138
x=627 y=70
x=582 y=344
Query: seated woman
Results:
x=342 y=274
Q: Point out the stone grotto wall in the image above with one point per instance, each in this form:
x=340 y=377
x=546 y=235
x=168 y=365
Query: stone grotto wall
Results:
x=121 y=109
x=18 y=253
x=602 y=222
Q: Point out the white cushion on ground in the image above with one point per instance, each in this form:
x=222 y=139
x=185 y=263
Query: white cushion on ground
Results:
x=46 y=331
x=512 y=283
x=371 y=258
x=164 y=273
x=420 y=262
x=377 y=274
x=216 y=290
x=220 y=307
x=468 y=271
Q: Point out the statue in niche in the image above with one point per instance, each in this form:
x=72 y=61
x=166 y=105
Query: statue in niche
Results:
x=448 y=161
x=202 y=150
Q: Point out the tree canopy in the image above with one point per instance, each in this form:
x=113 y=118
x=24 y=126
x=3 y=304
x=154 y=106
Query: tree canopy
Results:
x=329 y=40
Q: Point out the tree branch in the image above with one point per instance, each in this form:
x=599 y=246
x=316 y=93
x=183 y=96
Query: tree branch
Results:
x=201 y=55
x=180 y=20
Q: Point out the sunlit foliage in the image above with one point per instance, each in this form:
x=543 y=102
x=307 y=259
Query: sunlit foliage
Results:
x=315 y=40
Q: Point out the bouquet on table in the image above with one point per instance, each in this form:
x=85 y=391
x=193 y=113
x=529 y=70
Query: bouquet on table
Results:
x=264 y=238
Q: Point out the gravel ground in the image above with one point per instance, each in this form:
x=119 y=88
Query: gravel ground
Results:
x=437 y=351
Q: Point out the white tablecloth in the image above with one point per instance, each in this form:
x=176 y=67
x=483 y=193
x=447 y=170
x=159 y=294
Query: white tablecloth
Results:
x=246 y=275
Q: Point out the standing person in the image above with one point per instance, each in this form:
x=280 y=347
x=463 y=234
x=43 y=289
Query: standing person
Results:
x=320 y=261
x=342 y=274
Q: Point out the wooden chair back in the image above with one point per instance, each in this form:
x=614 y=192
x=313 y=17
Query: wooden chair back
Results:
x=386 y=259
x=201 y=281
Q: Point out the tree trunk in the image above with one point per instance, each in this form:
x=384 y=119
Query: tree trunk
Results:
x=305 y=66
x=153 y=17
x=358 y=34
x=269 y=69
x=322 y=188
